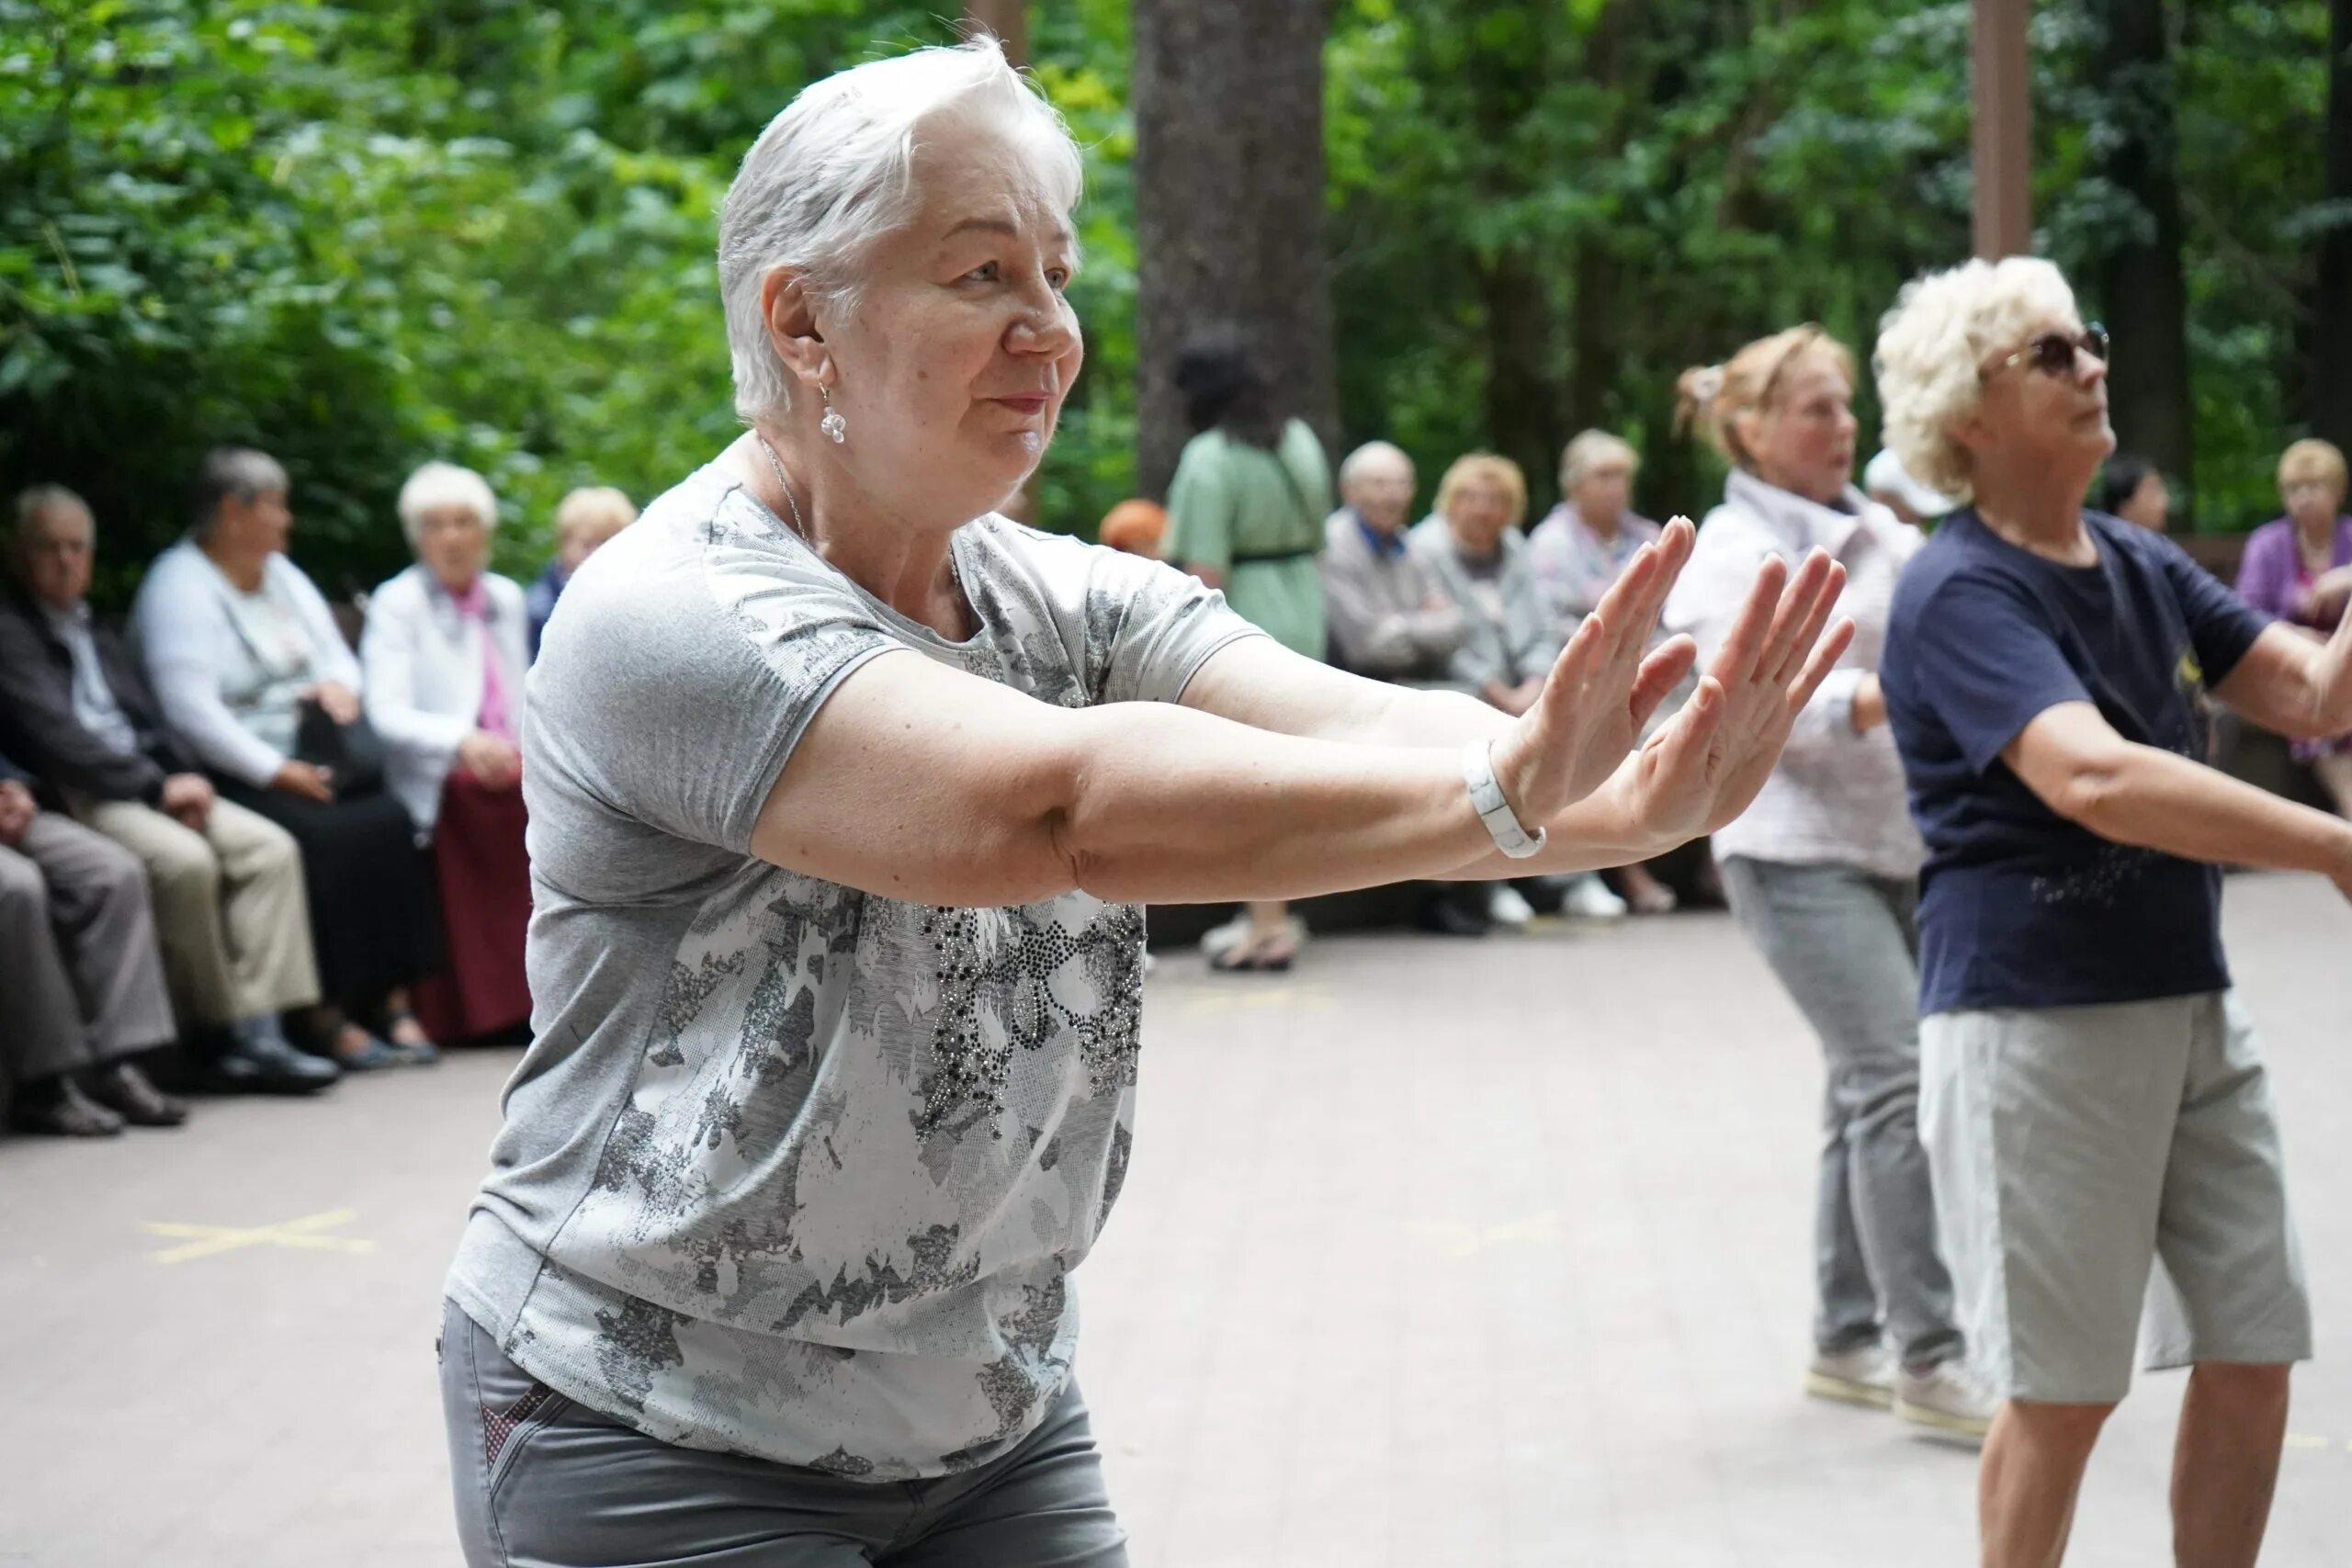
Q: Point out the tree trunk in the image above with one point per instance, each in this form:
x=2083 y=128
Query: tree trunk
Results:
x=1523 y=413
x=2330 y=353
x=2146 y=299
x=1228 y=176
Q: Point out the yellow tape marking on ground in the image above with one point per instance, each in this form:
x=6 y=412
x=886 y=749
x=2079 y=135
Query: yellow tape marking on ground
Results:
x=206 y=1240
x=1466 y=1241
x=1244 y=995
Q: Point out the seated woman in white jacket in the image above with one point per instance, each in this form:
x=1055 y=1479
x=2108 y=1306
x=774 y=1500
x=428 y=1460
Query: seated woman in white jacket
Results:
x=444 y=655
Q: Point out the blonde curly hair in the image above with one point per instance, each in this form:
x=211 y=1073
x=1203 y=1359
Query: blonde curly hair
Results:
x=1944 y=327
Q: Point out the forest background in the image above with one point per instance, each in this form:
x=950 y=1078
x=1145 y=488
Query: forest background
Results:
x=360 y=235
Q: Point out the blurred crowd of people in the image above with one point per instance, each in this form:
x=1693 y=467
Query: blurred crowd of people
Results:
x=226 y=827
x=1469 y=597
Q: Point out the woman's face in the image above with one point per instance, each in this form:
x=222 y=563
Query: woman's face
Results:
x=256 y=527
x=953 y=369
x=2044 y=422
x=1804 y=443
x=2312 y=500
x=1478 y=511
x=453 y=545
x=1603 y=493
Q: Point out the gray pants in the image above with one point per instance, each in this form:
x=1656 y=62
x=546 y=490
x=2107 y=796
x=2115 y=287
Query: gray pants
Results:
x=80 y=979
x=543 y=1483
x=1845 y=946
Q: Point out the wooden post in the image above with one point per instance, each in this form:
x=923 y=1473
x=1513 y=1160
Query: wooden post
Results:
x=2004 y=123
x=1009 y=19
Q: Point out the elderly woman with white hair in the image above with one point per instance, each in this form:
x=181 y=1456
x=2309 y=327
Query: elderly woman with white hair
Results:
x=845 y=795
x=1577 y=550
x=2093 y=1100
x=444 y=656
x=255 y=681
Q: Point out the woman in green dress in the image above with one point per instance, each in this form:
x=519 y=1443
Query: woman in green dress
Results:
x=1244 y=515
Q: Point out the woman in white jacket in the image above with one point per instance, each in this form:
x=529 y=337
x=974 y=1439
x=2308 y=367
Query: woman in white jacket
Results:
x=444 y=656
x=1822 y=871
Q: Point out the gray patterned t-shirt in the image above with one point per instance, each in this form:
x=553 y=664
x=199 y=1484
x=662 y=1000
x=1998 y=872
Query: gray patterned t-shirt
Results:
x=793 y=1170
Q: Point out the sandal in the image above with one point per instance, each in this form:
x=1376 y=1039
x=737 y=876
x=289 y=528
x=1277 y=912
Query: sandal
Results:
x=367 y=1057
x=406 y=1040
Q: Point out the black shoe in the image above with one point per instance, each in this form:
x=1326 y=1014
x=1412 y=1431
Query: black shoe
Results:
x=1449 y=917
x=60 y=1110
x=268 y=1067
x=122 y=1088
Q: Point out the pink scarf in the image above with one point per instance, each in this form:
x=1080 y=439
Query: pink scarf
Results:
x=474 y=606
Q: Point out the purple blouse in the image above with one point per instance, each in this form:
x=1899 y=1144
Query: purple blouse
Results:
x=2272 y=577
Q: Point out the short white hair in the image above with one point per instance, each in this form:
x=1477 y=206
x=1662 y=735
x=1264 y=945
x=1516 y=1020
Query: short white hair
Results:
x=832 y=174
x=1944 y=327
x=1352 y=466
x=439 y=484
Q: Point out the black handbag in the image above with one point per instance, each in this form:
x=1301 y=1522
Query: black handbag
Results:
x=352 y=754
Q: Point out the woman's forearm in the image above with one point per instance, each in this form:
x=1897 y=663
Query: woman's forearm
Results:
x=2158 y=800
x=1170 y=805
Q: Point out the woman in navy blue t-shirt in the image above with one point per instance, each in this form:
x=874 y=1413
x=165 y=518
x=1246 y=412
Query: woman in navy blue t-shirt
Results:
x=2091 y=1098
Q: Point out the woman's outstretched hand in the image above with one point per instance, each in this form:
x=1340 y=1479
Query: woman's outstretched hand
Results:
x=1601 y=690
x=1706 y=764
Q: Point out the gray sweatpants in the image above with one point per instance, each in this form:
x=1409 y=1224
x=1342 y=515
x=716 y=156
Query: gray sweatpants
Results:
x=1845 y=946
x=543 y=1483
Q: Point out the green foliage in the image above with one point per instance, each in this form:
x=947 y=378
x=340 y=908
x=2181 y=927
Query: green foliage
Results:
x=1728 y=169
x=368 y=234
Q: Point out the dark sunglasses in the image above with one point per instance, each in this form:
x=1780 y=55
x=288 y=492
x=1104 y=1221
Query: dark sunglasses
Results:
x=2054 y=354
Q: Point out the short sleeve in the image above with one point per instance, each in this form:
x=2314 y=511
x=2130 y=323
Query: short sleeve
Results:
x=671 y=694
x=1150 y=628
x=2222 y=626
x=1984 y=659
x=1200 y=509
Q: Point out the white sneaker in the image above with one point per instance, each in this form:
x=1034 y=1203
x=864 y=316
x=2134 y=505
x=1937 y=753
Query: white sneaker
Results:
x=1590 y=899
x=1864 y=1376
x=1947 y=1399
x=1506 y=907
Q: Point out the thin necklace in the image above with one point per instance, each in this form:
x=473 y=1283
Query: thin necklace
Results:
x=775 y=465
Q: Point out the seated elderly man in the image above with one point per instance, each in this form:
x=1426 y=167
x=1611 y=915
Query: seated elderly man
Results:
x=584 y=520
x=443 y=662
x=77 y=946
x=228 y=884
x=1388 y=619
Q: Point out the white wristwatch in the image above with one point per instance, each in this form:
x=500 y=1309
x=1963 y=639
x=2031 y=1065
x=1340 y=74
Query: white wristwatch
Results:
x=1487 y=797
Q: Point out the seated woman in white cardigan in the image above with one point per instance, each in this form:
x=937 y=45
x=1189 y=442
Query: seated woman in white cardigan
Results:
x=254 y=679
x=444 y=655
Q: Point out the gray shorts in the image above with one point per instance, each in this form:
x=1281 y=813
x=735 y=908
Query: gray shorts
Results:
x=2072 y=1147
x=543 y=1483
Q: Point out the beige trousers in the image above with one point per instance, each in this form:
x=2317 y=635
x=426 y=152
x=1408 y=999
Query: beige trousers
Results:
x=232 y=919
